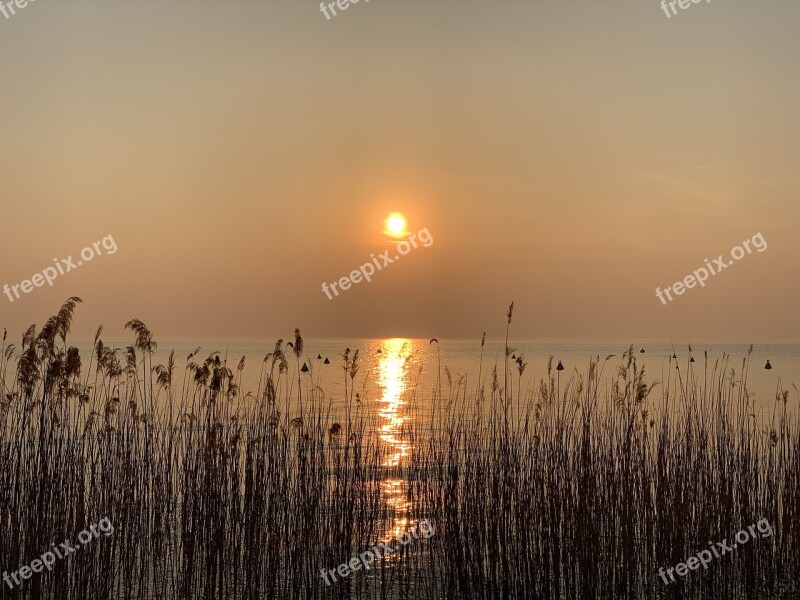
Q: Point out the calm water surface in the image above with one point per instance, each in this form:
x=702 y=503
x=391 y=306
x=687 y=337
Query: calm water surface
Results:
x=391 y=367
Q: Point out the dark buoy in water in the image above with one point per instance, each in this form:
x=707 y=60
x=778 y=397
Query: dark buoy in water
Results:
x=674 y=355
x=326 y=361
x=514 y=356
x=641 y=351
x=319 y=356
x=305 y=368
x=560 y=367
x=691 y=359
x=767 y=366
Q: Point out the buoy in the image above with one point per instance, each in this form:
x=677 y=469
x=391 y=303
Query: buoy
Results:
x=305 y=368
x=560 y=367
x=767 y=366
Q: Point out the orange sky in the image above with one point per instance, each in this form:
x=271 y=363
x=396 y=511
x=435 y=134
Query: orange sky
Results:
x=571 y=157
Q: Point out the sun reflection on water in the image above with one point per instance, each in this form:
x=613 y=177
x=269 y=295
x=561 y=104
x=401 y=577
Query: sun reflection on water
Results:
x=392 y=376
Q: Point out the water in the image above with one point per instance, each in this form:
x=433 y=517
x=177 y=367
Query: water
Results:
x=379 y=369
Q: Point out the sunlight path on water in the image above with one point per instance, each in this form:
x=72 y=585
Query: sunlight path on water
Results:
x=392 y=375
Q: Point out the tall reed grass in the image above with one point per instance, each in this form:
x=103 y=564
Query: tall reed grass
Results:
x=536 y=488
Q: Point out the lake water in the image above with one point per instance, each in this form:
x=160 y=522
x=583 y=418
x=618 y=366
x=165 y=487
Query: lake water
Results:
x=401 y=363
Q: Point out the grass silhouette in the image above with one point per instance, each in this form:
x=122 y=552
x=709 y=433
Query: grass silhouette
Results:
x=580 y=491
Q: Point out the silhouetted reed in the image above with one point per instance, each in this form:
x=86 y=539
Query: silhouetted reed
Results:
x=543 y=491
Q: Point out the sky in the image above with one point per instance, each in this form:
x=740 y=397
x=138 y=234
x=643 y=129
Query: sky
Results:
x=569 y=156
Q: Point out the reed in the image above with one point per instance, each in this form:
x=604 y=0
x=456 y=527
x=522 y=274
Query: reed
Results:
x=543 y=491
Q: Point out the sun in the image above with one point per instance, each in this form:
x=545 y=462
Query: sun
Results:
x=395 y=225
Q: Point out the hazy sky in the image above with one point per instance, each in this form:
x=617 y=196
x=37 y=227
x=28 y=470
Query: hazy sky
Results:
x=571 y=156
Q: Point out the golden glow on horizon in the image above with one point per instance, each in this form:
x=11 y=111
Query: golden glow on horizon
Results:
x=395 y=225
x=607 y=168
